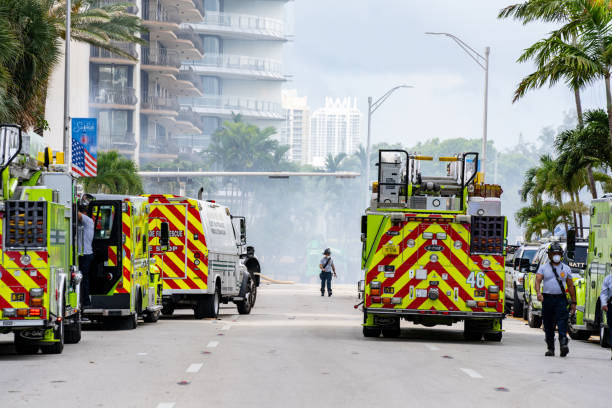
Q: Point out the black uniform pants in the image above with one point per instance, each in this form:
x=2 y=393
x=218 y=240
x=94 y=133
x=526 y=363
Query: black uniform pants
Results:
x=84 y=267
x=609 y=320
x=554 y=313
x=326 y=277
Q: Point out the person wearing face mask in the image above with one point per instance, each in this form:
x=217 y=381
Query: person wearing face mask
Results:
x=555 y=277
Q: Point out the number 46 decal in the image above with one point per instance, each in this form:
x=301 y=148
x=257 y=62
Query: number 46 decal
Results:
x=476 y=280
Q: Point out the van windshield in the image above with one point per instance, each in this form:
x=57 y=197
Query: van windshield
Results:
x=529 y=254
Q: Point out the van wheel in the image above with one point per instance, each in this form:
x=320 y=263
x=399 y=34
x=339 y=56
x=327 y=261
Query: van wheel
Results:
x=57 y=346
x=24 y=346
x=73 y=330
x=517 y=306
x=534 y=321
x=207 y=305
x=245 y=306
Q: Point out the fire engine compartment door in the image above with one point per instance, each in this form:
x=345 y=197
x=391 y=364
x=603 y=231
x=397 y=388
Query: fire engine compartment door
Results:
x=106 y=267
x=171 y=258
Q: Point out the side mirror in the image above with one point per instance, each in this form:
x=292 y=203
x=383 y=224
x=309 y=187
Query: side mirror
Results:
x=509 y=263
x=243 y=231
x=571 y=242
x=524 y=265
x=164 y=239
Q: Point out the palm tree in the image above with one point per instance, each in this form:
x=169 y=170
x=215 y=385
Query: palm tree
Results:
x=116 y=175
x=332 y=164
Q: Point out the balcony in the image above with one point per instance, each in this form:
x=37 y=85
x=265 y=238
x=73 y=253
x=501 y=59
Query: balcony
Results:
x=160 y=60
x=184 y=10
x=113 y=98
x=132 y=9
x=156 y=19
x=123 y=142
x=225 y=106
x=239 y=26
x=102 y=56
x=236 y=66
x=159 y=106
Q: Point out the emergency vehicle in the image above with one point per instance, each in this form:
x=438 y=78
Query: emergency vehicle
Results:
x=589 y=317
x=201 y=251
x=39 y=286
x=433 y=248
x=124 y=285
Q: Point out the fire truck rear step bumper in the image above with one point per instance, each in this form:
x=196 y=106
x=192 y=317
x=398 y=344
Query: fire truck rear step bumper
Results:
x=22 y=323
x=154 y=308
x=107 y=312
x=440 y=313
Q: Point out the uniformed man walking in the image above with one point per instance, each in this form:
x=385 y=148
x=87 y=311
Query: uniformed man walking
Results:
x=327 y=269
x=556 y=277
x=606 y=302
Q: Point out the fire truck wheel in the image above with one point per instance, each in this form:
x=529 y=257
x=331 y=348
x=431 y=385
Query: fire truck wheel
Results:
x=391 y=333
x=496 y=336
x=58 y=346
x=371 y=331
x=472 y=335
x=517 y=306
x=130 y=322
x=604 y=336
x=73 y=331
x=533 y=320
x=151 y=317
x=167 y=310
x=24 y=346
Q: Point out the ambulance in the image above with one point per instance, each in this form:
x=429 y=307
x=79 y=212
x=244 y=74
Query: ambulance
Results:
x=434 y=246
x=202 y=253
x=124 y=285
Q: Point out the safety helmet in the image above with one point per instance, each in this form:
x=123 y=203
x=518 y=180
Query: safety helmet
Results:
x=327 y=251
x=555 y=248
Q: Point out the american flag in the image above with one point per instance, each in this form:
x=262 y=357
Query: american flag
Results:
x=83 y=163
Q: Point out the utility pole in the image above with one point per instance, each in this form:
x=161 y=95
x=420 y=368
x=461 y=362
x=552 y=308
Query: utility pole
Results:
x=67 y=138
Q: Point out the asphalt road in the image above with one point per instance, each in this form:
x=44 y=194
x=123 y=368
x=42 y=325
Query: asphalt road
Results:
x=298 y=349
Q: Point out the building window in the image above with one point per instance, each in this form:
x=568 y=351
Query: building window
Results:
x=114 y=127
x=111 y=76
x=213 y=5
x=212 y=44
x=211 y=85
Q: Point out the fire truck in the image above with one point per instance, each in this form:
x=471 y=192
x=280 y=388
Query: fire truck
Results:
x=39 y=280
x=433 y=247
x=202 y=253
x=124 y=285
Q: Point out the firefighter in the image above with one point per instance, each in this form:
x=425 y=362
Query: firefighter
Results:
x=327 y=269
x=85 y=236
x=606 y=302
x=555 y=276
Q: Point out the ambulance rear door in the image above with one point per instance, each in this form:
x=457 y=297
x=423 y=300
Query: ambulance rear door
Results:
x=168 y=225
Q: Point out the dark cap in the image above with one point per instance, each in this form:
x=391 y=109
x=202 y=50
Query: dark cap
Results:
x=327 y=251
x=555 y=248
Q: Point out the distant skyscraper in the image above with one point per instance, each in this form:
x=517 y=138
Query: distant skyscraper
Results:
x=296 y=130
x=334 y=129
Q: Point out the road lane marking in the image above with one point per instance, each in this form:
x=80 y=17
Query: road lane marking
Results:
x=165 y=405
x=212 y=344
x=194 y=368
x=471 y=372
x=432 y=347
x=143 y=354
x=226 y=327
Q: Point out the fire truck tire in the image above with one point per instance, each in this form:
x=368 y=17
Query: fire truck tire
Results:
x=391 y=333
x=534 y=321
x=167 y=310
x=517 y=306
x=370 y=331
x=604 y=336
x=23 y=346
x=58 y=346
x=151 y=317
x=524 y=311
x=470 y=335
x=129 y=322
x=73 y=331
x=495 y=336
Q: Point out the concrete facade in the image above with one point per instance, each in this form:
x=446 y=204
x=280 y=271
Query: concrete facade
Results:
x=296 y=130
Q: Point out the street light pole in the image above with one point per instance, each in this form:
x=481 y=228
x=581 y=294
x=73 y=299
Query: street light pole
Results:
x=372 y=107
x=67 y=142
x=483 y=62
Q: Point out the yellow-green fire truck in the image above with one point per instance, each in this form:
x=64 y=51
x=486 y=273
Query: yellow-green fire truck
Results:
x=39 y=284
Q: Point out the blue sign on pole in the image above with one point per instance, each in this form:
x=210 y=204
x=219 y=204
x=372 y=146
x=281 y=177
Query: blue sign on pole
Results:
x=85 y=147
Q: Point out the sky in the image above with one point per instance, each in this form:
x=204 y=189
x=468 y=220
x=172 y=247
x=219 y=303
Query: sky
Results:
x=362 y=48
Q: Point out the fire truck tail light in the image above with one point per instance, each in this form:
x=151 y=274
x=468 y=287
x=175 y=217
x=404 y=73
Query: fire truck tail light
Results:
x=396 y=300
x=428 y=235
x=386 y=300
x=35 y=312
x=493 y=296
x=491 y=304
x=36 y=302
x=375 y=285
x=22 y=312
x=493 y=289
x=441 y=235
x=9 y=312
x=375 y=299
x=481 y=304
x=375 y=292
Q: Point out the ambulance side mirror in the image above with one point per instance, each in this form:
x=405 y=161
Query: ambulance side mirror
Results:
x=164 y=239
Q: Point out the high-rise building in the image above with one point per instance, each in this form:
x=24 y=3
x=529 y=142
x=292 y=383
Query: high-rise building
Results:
x=204 y=61
x=334 y=129
x=296 y=131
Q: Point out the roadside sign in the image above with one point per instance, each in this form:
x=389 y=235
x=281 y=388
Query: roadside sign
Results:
x=85 y=147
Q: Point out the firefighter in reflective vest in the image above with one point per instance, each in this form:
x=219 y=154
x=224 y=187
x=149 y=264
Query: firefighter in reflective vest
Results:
x=555 y=276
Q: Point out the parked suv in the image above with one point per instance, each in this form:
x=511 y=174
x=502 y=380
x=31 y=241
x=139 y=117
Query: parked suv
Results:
x=516 y=266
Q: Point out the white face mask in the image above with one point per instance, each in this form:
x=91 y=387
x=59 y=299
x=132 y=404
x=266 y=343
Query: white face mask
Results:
x=556 y=258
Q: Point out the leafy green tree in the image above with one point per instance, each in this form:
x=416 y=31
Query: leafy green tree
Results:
x=116 y=175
